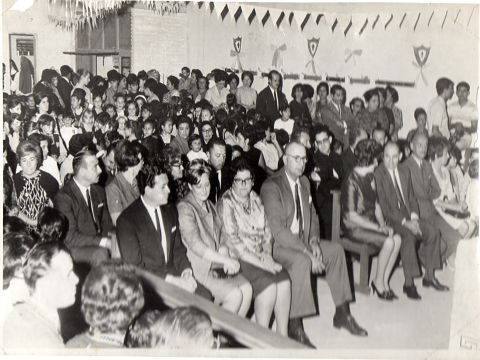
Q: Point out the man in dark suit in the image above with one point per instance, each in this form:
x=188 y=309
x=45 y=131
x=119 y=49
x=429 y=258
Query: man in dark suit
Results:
x=270 y=98
x=148 y=232
x=400 y=209
x=64 y=85
x=220 y=177
x=90 y=229
x=294 y=223
x=328 y=165
x=337 y=116
x=426 y=190
x=349 y=160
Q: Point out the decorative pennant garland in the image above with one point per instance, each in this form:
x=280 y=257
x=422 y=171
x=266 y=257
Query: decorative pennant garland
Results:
x=389 y=21
x=265 y=18
x=364 y=26
x=334 y=25
x=280 y=19
x=416 y=22
x=375 y=22
x=251 y=16
x=224 y=12
x=403 y=19
x=319 y=16
x=200 y=3
x=348 y=27
x=212 y=6
x=304 y=22
x=290 y=18
x=238 y=13
x=430 y=19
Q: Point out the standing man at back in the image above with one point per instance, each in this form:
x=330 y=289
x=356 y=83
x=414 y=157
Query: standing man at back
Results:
x=270 y=98
x=437 y=109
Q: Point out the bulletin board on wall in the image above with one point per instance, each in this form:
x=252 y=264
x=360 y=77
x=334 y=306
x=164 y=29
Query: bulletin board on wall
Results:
x=22 y=62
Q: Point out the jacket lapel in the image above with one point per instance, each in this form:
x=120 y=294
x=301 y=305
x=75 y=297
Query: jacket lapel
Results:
x=289 y=202
x=305 y=210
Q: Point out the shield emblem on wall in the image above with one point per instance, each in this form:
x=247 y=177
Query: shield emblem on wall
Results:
x=421 y=54
x=313 y=46
x=237 y=44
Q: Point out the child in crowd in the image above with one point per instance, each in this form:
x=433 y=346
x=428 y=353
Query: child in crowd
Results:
x=421 y=119
x=67 y=130
x=120 y=104
x=195 y=145
x=14 y=137
x=149 y=140
x=46 y=126
x=166 y=133
x=121 y=125
x=285 y=122
x=146 y=112
x=110 y=110
x=97 y=103
x=132 y=111
x=133 y=130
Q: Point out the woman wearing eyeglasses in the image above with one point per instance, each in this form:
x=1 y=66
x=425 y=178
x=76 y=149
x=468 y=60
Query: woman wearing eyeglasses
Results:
x=249 y=239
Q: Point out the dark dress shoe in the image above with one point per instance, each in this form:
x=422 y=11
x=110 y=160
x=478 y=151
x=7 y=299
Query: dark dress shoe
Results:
x=411 y=292
x=348 y=322
x=299 y=335
x=435 y=284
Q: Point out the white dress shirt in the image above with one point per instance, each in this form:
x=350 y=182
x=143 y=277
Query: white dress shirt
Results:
x=151 y=212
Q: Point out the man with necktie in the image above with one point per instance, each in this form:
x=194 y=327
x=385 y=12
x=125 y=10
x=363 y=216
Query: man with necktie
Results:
x=298 y=247
x=90 y=228
x=400 y=209
x=270 y=98
x=220 y=177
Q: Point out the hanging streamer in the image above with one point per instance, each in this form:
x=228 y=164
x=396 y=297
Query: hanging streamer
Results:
x=238 y=13
x=363 y=27
x=348 y=27
x=456 y=17
x=251 y=16
x=265 y=18
x=280 y=19
x=389 y=21
x=430 y=19
x=416 y=22
x=200 y=3
x=375 y=22
x=445 y=18
x=334 y=25
x=470 y=17
x=224 y=12
x=212 y=6
x=304 y=22
x=403 y=19
x=290 y=18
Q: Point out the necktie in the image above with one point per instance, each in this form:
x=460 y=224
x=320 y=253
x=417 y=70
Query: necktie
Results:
x=299 y=212
x=89 y=204
x=275 y=98
x=401 y=203
x=159 y=230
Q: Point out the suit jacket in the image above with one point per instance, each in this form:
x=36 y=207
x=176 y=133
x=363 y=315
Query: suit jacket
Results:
x=216 y=189
x=64 y=89
x=82 y=231
x=387 y=197
x=141 y=246
x=201 y=230
x=279 y=206
x=326 y=165
x=425 y=186
x=266 y=104
x=334 y=120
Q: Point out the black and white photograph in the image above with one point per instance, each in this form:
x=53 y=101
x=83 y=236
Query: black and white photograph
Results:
x=240 y=179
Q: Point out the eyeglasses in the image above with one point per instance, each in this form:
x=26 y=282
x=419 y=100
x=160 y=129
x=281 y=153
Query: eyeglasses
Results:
x=323 y=141
x=179 y=164
x=207 y=131
x=243 y=182
x=298 y=159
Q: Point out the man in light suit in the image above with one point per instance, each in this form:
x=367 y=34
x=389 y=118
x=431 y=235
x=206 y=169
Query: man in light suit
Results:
x=294 y=222
x=270 y=98
x=400 y=209
x=337 y=116
x=148 y=232
x=426 y=190
x=90 y=228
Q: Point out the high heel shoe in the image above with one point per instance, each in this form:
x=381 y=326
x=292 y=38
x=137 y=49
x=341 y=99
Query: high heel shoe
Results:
x=384 y=295
x=392 y=294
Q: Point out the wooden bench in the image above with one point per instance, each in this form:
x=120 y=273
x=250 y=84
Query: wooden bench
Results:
x=242 y=330
x=364 y=251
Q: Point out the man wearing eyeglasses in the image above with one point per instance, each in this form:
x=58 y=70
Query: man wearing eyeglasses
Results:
x=220 y=177
x=298 y=248
x=328 y=165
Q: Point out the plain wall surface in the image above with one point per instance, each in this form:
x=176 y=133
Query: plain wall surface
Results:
x=50 y=40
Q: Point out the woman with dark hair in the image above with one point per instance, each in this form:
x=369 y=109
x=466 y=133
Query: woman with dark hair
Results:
x=172 y=86
x=404 y=148
x=246 y=139
x=123 y=189
x=42 y=102
x=308 y=93
x=453 y=211
x=372 y=117
x=133 y=130
x=390 y=103
x=132 y=110
x=207 y=133
x=323 y=91
x=193 y=88
x=112 y=296
x=246 y=95
x=202 y=230
x=180 y=142
x=175 y=170
x=362 y=216
x=77 y=101
x=35 y=188
x=83 y=81
x=233 y=82
x=267 y=143
x=356 y=106
x=249 y=239
x=52 y=225
x=15 y=134
x=298 y=109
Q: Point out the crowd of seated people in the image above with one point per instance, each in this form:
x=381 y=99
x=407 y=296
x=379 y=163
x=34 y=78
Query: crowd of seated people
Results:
x=224 y=193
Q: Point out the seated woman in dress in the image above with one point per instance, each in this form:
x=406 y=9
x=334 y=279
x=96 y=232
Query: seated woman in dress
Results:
x=35 y=188
x=446 y=203
x=246 y=95
x=362 y=216
x=123 y=190
x=201 y=228
x=299 y=110
x=371 y=117
x=249 y=239
x=175 y=170
x=112 y=296
x=52 y=284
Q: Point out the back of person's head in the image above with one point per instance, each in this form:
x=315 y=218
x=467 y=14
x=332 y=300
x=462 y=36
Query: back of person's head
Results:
x=282 y=137
x=367 y=151
x=132 y=79
x=147 y=331
x=248 y=133
x=220 y=75
x=52 y=225
x=146 y=176
x=39 y=260
x=113 y=75
x=308 y=91
x=195 y=171
x=354 y=133
x=13 y=224
x=142 y=75
x=65 y=70
x=126 y=155
x=16 y=246
x=78 y=142
x=473 y=169
x=443 y=84
x=112 y=296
